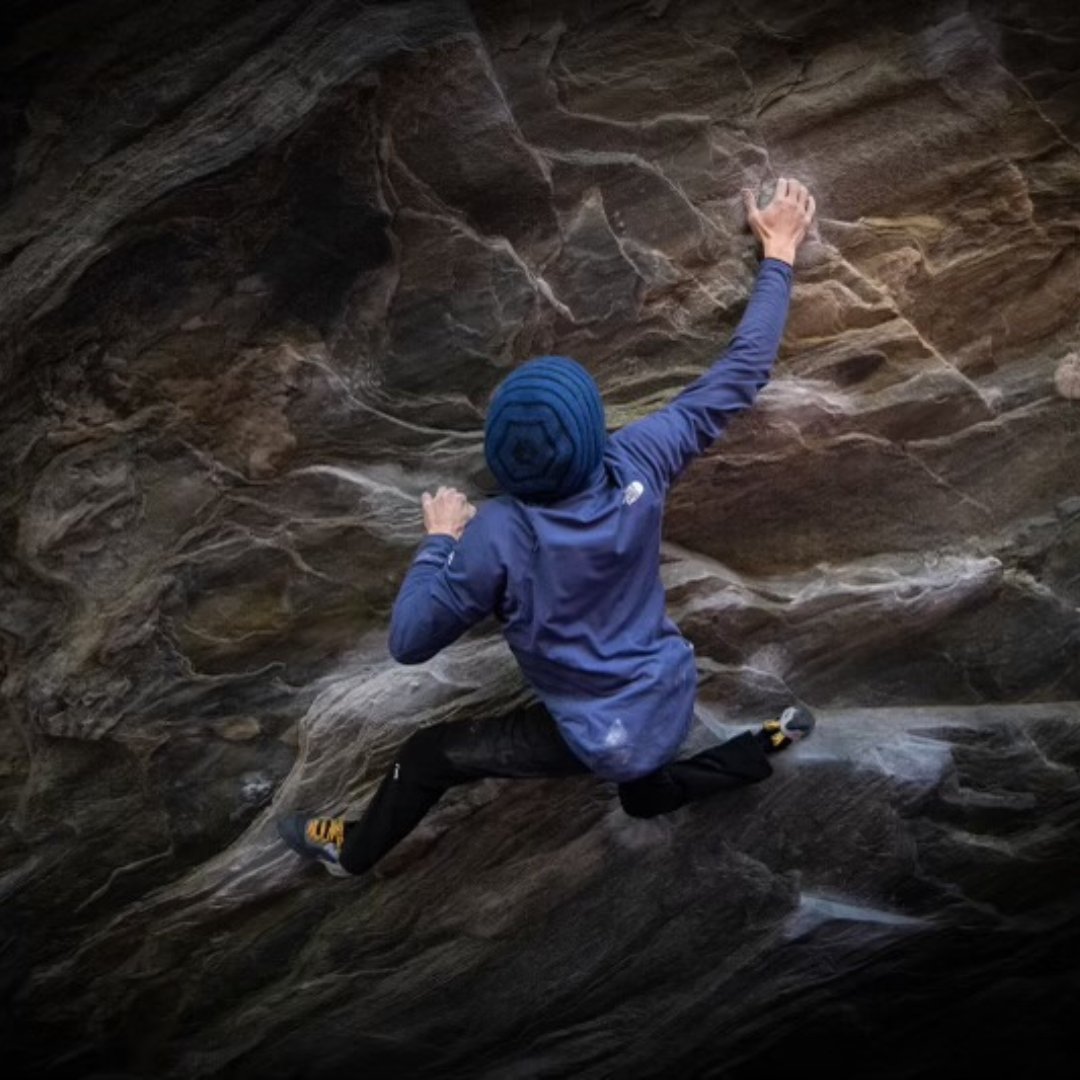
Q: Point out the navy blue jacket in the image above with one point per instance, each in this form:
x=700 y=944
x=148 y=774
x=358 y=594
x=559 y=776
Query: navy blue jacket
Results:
x=576 y=584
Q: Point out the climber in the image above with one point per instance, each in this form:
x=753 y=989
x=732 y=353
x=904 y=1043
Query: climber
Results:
x=568 y=561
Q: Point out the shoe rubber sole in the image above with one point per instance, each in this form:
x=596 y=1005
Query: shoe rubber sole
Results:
x=796 y=722
x=291 y=829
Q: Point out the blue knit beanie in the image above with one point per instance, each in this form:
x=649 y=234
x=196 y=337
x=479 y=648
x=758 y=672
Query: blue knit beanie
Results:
x=544 y=435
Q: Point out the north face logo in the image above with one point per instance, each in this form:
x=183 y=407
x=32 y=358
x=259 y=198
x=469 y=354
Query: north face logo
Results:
x=633 y=492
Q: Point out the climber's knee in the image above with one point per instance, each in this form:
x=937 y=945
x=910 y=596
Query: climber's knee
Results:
x=422 y=758
x=636 y=810
x=646 y=800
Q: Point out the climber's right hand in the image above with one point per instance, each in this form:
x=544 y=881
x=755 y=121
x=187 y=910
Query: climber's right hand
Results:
x=782 y=225
x=447 y=512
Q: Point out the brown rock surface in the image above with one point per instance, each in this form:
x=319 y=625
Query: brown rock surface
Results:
x=260 y=267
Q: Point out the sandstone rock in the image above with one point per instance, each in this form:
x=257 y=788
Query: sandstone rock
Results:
x=261 y=267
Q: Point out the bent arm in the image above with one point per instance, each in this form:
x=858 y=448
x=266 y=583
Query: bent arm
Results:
x=451 y=586
x=664 y=443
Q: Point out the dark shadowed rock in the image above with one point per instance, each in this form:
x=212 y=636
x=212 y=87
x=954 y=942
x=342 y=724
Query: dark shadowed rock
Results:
x=261 y=266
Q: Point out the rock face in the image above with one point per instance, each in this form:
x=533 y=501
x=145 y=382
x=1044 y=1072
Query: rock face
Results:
x=260 y=266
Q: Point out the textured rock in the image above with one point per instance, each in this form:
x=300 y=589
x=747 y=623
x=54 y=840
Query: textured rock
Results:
x=261 y=266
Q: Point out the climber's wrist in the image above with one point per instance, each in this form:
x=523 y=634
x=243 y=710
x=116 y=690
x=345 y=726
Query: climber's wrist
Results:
x=784 y=252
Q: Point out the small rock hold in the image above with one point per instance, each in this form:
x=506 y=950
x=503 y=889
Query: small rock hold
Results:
x=1067 y=377
x=255 y=787
x=240 y=729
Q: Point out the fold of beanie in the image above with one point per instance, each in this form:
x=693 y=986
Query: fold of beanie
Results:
x=544 y=434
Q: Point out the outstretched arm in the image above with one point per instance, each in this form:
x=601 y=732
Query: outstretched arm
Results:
x=666 y=442
x=454 y=582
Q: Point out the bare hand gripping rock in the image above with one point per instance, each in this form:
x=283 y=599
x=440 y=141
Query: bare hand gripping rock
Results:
x=568 y=560
x=782 y=225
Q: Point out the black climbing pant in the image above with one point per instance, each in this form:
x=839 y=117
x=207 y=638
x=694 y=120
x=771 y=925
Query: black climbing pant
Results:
x=526 y=744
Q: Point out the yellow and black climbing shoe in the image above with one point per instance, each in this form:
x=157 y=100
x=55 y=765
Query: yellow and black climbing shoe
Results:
x=317 y=838
x=796 y=722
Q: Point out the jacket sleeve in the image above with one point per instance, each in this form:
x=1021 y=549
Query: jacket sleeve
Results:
x=664 y=443
x=450 y=587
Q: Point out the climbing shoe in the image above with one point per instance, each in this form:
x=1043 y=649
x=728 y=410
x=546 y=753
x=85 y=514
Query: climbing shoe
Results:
x=317 y=838
x=795 y=723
